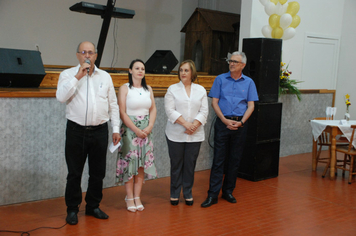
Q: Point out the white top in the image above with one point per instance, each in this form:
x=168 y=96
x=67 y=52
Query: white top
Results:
x=177 y=103
x=89 y=101
x=138 y=101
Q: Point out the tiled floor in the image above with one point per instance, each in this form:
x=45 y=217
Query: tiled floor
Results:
x=298 y=202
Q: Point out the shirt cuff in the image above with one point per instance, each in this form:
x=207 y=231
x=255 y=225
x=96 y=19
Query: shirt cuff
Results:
x=116 y=129
x=201 y=119
x=174 y=116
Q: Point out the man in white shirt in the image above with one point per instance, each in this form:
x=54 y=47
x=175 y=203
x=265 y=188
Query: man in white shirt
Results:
x=91 y=101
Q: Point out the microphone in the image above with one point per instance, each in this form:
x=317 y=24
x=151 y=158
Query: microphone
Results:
x=87 y=61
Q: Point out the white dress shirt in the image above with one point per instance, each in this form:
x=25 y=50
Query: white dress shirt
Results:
x=91 y=101
x=177 y=103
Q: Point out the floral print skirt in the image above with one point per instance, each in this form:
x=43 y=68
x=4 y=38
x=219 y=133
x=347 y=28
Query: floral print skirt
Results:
x=135 y=152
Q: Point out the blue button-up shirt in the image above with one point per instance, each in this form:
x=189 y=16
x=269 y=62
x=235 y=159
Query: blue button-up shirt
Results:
x=233 y=94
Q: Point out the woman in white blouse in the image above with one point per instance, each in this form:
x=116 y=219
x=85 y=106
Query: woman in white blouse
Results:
x=186 y=106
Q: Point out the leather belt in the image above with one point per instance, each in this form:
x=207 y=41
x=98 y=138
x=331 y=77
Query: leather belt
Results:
x=237 y=118
x=90 y=127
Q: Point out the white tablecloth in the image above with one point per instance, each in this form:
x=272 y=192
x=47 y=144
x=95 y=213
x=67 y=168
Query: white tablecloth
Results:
x=319 y=125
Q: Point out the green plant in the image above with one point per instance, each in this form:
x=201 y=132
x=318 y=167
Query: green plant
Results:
x=286 y=84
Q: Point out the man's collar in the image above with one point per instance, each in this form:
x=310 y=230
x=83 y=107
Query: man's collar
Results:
x=241 y=77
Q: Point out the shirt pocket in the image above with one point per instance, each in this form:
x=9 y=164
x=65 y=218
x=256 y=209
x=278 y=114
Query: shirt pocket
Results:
x=103 y=91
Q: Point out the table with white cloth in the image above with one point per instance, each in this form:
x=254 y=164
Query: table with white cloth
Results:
x=334 y=128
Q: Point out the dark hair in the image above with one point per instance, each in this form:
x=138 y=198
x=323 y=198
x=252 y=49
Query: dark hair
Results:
x=143 y=82
x=192 y=68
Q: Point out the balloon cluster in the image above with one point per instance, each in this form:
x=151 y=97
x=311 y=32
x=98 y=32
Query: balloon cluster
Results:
x=283 y=19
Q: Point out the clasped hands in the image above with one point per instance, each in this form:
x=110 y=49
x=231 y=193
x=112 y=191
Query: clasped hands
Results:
x=190 y=128
x=232 y=124
x=144 y=132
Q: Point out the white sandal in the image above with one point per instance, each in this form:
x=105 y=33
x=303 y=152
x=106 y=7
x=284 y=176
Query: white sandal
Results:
x=130 y=208
x=139 y=207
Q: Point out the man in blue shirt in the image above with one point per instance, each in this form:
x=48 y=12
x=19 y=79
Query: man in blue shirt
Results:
x=233 y=99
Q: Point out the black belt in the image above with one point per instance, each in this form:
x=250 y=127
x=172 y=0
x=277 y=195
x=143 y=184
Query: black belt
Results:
x=90 y=127
x=237 y=118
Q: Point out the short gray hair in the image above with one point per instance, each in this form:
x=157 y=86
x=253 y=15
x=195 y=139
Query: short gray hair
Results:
x=242 y=54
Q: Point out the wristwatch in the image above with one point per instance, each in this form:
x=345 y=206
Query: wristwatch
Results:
x=242 y=123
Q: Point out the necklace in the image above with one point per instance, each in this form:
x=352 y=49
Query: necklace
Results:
x=139 y=90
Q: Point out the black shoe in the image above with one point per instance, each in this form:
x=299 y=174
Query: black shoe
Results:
x=72 y=218
x=209 y=201
x=228 y=197
x=174 y=202
x=97 y=213
x=189 y=203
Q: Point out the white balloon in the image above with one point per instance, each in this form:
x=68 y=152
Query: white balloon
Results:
x=284 y=8
x=285 y=20
x=264 y=2
x=270 y=8
x=279 y=9
x=267 y=31
x=289 y=33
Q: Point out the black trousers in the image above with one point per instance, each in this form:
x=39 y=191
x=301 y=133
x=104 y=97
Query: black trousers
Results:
x=82 y=142
x=183 y=158
x=228 y=148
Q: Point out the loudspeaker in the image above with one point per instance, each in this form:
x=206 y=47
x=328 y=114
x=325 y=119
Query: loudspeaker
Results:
x=265 y=122
x=260 y=158
x=260 y=161
x=161 y=62
x=20 y=68
x=263 y=65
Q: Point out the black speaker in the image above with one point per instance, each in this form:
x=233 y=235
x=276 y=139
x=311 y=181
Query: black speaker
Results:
x=161 y=62
x=260 y=158
x=20 y=68
x=263 y=65
x=260 y=161
x=265 y=122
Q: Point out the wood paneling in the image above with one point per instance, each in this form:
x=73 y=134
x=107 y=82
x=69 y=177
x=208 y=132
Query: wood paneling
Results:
x=158 y=82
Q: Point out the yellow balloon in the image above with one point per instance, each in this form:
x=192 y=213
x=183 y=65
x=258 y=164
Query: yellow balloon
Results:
x=274 y=1
x=295 y=21
x=283 y=1
x=274 y=20
x=293 y=8
x=277 y=33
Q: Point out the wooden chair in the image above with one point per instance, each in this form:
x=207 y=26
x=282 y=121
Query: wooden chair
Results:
x=349 y=157
x=324 y=141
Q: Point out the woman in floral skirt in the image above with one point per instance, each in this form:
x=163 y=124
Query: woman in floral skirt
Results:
x=138 y=113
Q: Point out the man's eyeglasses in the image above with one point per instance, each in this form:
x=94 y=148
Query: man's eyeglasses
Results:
x=85 y=52
x=233 y=62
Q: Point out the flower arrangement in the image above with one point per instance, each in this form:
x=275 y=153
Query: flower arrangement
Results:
x=348 y=103
x=286 y=84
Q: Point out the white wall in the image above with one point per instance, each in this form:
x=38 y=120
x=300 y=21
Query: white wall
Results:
x=346 y=83
x=57 y=30
x=318 y=17
x=157 y=25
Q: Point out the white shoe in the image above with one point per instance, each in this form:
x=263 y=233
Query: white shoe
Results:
x=130 y=208
x=139 y=207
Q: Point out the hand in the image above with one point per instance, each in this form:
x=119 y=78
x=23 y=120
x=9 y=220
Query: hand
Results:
x=140 y=133
x=232 y=124
x=147 y=130
x=83 y=71
x=190 y=128
x=116 y=138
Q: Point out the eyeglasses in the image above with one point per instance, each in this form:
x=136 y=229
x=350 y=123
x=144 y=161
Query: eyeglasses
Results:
x=85 y=52
x=233 y=62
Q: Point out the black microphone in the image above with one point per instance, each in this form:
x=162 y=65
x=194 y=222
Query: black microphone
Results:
x=87 y=61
